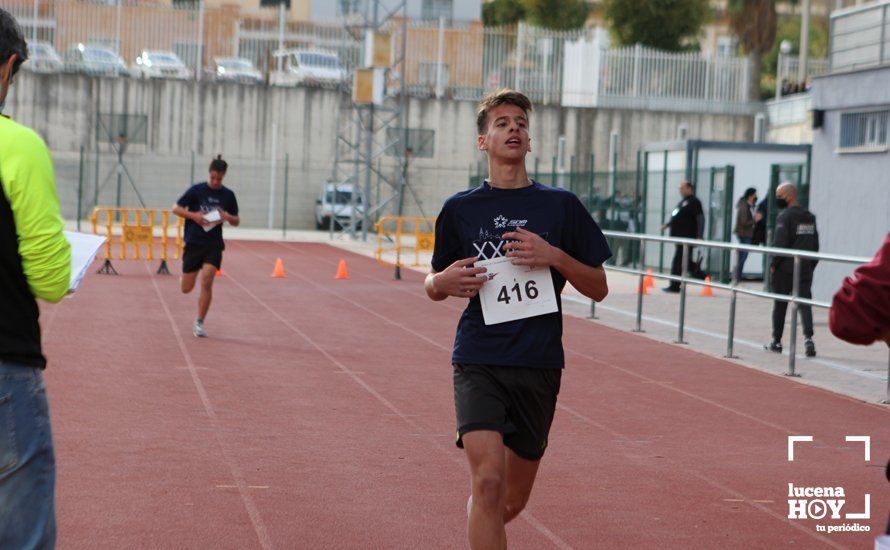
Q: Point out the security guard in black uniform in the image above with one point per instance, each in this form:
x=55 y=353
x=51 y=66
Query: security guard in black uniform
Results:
x=795 y=228
x=687 y=221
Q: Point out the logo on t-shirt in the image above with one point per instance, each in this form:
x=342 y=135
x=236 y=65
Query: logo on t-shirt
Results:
x=501 y=222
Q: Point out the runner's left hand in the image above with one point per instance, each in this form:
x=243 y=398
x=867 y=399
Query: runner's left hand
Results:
x=527 y=248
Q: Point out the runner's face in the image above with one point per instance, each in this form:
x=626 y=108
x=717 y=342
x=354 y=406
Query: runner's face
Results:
x=507 y=135
x=216 y=178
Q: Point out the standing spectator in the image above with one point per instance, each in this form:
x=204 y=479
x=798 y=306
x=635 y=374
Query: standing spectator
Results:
x=860 y=314
x=860 y=311
x=35 y=261
x=744 y=226
x=795 y=228
x=688 y=221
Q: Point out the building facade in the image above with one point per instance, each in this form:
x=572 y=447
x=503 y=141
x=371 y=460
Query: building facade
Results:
x=851 y=160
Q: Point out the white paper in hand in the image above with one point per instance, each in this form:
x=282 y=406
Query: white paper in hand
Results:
x=83 y=251
x=515 y=291
x=214 y=217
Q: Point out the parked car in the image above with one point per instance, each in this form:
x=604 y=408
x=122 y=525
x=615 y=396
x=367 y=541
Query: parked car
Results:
x=42 y=58
x=309 y=67
x=335 y=202
x=236 y=69
x=160 y=64
x=93 y=60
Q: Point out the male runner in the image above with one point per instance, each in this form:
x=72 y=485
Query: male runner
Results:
x=205 y=206
x=508 y=361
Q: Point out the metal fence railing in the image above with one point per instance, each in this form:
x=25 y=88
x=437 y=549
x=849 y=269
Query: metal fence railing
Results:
x=733 y=287
x=645 y=78
x=443 y=59
x=787 y=70
x=859 y=36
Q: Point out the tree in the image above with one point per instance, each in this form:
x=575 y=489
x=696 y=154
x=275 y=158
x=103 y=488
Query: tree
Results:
x=550 y=14
x=664 y=24
x=789 y=29
x=502 y=12
x=560 y=15
x=754 y=23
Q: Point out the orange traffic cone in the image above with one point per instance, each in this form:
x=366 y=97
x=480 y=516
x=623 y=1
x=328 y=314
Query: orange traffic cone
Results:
x=645 y=288
x=278 y=272
x=706 y=290
x=341 y=271
x=219 y=272
x=649 y=280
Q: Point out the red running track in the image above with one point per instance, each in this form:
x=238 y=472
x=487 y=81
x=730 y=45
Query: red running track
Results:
x=319 y=414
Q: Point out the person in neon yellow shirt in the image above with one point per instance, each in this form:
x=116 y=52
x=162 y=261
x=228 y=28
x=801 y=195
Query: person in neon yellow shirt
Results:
x=35 y=262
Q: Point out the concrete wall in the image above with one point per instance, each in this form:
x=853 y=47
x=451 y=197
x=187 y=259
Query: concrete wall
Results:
x=238 y=121
x=850 y=194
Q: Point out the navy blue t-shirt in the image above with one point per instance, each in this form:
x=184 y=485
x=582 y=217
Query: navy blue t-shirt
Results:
x=471 y=224
x=201 y=198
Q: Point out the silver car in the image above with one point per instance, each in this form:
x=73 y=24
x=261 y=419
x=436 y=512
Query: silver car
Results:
x=42 y=58
x=236 y=69
x=309 y=68
x=93 y=60
x=160 y=64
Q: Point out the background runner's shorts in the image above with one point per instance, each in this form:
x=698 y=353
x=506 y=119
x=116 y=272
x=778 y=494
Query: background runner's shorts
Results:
x=518 y=402
x=196 y=255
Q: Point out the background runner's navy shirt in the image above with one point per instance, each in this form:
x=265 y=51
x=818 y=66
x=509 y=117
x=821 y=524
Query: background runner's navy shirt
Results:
x=201 y=198
x=471 y=224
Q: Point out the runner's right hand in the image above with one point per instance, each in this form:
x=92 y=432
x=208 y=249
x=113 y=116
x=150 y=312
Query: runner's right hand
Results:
x=460 y=279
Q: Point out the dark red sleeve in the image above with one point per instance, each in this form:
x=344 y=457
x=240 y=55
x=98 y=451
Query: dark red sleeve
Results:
x=860 y=311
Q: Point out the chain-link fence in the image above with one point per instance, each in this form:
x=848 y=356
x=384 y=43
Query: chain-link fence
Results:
x=442 y=59
x=271 y=194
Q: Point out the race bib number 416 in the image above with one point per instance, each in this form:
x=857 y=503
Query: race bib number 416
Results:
x=515 y=291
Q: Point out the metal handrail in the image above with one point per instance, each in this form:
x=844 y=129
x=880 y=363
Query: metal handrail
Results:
x=790 y=252
x=732 y=287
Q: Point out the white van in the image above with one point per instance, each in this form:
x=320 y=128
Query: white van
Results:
x=308 y=67
x=335 y=202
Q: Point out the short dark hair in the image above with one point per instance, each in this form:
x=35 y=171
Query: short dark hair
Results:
x=12 y=42
x=219 y=165
x=500 y=97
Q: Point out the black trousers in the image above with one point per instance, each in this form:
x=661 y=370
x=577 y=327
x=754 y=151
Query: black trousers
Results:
x=677 y=263
x=782 y=283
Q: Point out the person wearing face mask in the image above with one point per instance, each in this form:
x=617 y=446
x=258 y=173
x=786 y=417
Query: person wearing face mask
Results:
x=744 y=225
x=795 y=228
x=35 y=262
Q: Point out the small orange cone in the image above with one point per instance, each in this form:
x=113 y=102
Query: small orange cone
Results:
x=706 y=290
x=341 y=271
x=219 y=272
x=278 y=272
x=645 y=289
x=649 y=280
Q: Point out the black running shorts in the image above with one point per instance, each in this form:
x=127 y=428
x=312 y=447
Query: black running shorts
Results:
x=518 y=402
x=196 y=255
